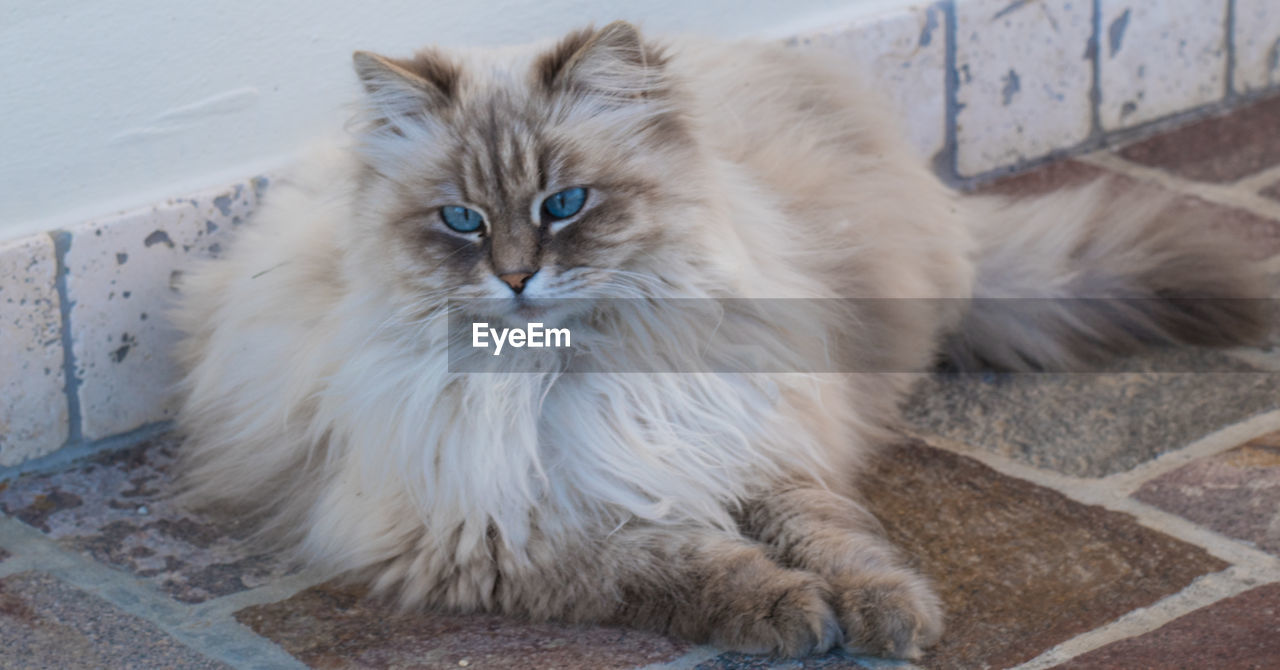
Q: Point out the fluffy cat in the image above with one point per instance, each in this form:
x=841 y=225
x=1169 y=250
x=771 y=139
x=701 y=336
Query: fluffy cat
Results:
x=719 y=507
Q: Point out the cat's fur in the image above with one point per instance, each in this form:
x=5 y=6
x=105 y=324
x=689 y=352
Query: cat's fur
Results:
x=717 y=507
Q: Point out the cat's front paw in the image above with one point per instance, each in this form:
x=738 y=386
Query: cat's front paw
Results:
x=788 y=615
x=892 y=613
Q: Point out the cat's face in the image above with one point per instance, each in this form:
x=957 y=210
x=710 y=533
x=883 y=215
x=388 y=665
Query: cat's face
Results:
x=565 y=174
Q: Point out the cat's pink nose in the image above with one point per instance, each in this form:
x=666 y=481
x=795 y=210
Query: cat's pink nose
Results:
x=516 y=280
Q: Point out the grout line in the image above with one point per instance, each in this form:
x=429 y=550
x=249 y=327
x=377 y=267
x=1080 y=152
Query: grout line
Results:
x=1229 y=46
x=689 y=660
x=1218 y=441
x=75 y=448
x=881 y=663
x=1266 y=361
x=1220 y=194
x=1259 y=180
x=1097 y=492
x=280 y=589
x=227 y=641
x=69 y=456
x=701 y=654
x=946 y=161
x=15 y=564
x=71 y=380
x=1261 y=565
x=1204 y=591
x=1095 y=66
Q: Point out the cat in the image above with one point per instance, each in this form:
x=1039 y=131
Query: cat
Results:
x=719 y=506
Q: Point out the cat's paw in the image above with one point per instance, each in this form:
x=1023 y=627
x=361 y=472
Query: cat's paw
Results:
x=788 y=615
x=892 y=613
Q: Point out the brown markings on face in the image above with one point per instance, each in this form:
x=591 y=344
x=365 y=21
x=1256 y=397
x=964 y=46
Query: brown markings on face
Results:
x=549 y=66
x=505 y=152
x=437 y=69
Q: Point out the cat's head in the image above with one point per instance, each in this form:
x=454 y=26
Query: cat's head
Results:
x=531 y=174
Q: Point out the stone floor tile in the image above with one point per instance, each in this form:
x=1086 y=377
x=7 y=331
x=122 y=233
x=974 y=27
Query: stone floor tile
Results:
x=1159 y=58
x=1257 y=36
x=1236 y=493
x=1221 y=149
x=119 y=509
x=903 y=54
x=833 y=661
x=121 y=275
x=45 y=623
x=1017 y=100
x=33 y=401
x=1238 y=633
x=1019 y=568
x=1094 y=424
x=1048 y=178
x=334 y=626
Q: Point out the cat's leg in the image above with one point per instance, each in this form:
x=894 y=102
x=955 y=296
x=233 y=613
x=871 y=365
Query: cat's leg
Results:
x=704 y=585
x=884 y=607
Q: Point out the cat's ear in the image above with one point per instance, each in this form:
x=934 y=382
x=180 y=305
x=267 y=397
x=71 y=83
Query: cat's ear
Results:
x=613 y=62
x=406 y=89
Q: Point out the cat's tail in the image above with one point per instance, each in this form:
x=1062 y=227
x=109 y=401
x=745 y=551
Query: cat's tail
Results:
x=1071 y=279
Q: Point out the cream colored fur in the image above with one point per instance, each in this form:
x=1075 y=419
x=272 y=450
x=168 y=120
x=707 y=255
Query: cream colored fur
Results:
x=319 y=389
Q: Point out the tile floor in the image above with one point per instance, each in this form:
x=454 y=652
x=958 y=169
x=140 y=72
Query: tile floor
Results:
x=1118 y=520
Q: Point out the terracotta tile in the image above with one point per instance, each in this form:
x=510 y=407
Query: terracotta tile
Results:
x=1236 y=493
x=1019 y=568
x=1261 y=235
x=1221 y=149
x=1239 y=633
x=333 y=626
x=1046 y=179
x=47 y=624
x=119 y=509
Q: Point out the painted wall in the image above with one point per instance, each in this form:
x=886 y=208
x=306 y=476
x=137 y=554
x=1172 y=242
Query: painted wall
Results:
x=115 y=105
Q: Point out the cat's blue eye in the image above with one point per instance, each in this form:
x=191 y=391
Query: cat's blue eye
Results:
x=565 y=204
x=461 y=219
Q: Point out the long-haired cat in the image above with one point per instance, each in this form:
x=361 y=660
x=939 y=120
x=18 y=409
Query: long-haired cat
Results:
x=718 y=506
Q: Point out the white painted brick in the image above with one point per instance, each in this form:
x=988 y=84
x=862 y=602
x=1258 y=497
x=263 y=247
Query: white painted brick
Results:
x=120 y=286
x=1257 y=39
x=902 y=54
x=1160 y=57
x=33 y=401
x=1023 y=80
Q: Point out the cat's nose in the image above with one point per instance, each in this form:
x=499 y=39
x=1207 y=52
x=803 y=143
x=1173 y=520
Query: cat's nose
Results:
x=516 y=280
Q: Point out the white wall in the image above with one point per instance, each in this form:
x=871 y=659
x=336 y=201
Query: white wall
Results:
x=109 y=105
